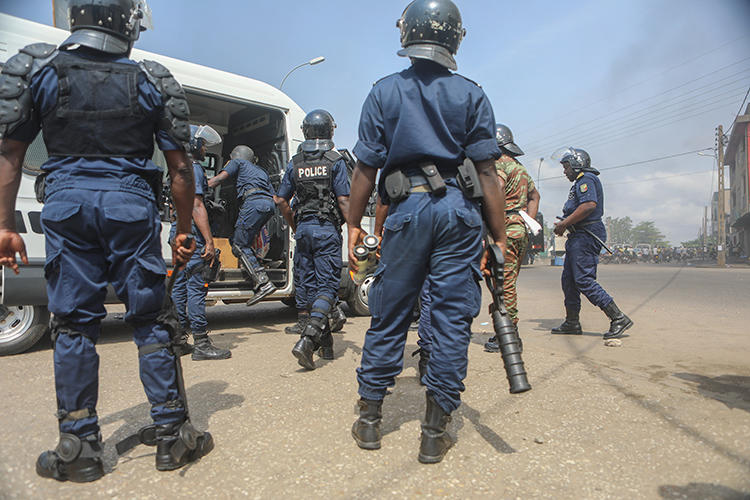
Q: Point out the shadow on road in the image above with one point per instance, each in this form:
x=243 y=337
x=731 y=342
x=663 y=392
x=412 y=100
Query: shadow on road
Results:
x=545 y=325
x=204 y=399
x=732 y=390
x=473 y=416
x=701 y=491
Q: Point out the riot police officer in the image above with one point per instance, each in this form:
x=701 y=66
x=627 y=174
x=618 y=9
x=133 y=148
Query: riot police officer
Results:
x=256 y=197
x=520 y=194
x=100 y=113
x=417 y=127
x=317 y=178
x=582 y=218
x=189 y=292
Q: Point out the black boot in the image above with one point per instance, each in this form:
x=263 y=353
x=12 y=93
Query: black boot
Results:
x=309 y=342
x=435 y=439
x=75 y=459
x=184 y=342
x=326 y=345
x=338 y=318
x=302 y=318
x=618 y=321
x=424 y=359
x=571 y=325
x=179 y=443
x=366 y=430
x=204 y=349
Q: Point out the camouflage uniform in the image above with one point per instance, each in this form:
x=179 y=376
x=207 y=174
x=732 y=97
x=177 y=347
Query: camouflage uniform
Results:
x=518 y=184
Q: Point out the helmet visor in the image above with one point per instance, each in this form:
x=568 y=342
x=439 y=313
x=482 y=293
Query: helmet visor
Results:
x=563 y=154
x=210 y=136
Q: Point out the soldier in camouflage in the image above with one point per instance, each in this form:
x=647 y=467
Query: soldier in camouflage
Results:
x=520 y=194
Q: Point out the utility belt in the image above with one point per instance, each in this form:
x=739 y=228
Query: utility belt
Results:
x=253 y=191
x=69 y=180
x=580 y=225
x=425 y=177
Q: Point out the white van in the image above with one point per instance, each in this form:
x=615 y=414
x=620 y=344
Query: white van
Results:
x=243 y=111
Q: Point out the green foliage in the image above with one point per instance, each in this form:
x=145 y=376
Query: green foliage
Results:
x=646 y=232
x=621 y=231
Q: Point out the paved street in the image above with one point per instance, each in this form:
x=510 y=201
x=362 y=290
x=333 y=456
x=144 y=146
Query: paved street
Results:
x=666 y=415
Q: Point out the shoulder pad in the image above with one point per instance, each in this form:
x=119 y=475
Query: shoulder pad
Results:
x=298 y=158
x=39 y=50
x=176 y=114
x=15 y=79
x=332 y=156
x=468 y=80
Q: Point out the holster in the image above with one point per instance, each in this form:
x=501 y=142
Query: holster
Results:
x=40 y=186
x=468 y=180
x=397 y=186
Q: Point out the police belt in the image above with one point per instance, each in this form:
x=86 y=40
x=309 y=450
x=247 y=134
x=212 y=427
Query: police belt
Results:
x=247 y=194
x=580 y=225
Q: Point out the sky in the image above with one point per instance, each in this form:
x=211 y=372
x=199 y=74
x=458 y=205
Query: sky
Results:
x=628 y=81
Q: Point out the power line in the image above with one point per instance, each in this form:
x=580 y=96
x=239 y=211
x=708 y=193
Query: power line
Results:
x=617 y=121
x=586 y=106
x=729 y=131
x=683 y=174
x=642 y=162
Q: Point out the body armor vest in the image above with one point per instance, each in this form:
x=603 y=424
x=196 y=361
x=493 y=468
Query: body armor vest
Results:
x=313 y=179
x=97 y=113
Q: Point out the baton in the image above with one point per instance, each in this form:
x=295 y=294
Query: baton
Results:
x=573 y=229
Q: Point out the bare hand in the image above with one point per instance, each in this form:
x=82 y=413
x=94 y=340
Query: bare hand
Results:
x=560 y=228
x=486 y=271
x=209 y=252
x=180 y=254
x=356 y=235
x=10 y=244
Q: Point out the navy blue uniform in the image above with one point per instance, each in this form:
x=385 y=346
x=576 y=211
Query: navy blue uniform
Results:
x=255 y=193
x=425 y=113
x=581 y=250
x=318 y=241
x=189 y=291
x=101 y=225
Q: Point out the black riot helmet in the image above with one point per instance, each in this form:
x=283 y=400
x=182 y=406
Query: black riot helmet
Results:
x=242 y=152
x=504 y=138
x=110 y=26
x=431 y=29
x=578 y=159
x=317 y=127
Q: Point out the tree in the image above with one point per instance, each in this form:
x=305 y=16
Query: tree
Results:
x=619 y=230
x=646 y=232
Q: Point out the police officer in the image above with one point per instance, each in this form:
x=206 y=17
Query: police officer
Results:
x=99 y=112
x=189 y=292
x=582 y=218
x=317 y=178
x=520 y=194
x=256 y=199
x=417 y=127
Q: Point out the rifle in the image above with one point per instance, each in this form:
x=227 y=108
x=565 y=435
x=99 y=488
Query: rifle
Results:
x=505 y=330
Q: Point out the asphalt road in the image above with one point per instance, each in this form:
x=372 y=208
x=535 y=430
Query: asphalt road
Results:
x=666 y=415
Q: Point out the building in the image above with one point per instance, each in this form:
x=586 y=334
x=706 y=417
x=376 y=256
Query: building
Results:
x=714 y=229
x=737 y=157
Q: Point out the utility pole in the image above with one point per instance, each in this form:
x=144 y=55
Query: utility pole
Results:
x=721 y=255
x=705 y=224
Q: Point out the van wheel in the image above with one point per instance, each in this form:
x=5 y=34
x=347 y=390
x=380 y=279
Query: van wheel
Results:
x=21 y=327
x=358 y=302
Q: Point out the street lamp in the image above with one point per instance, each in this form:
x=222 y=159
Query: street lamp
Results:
x=539 y=171
x=311 y=62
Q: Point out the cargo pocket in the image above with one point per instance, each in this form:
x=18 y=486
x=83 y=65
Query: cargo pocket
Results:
x=126 y=214
x=146 y=287
x=55 y=212
x=469 y=218
x=58 y=287
x=396 y=222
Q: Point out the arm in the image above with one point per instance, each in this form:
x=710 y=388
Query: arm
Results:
x=580 y=213
x=12 y=153
x=218 y=179
x=343 y=205
x=381 y=212
x=183 y=192
x=532 y=207
x=286 y=211
x=200 y=216
x=363 y=181
x=493 y=205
